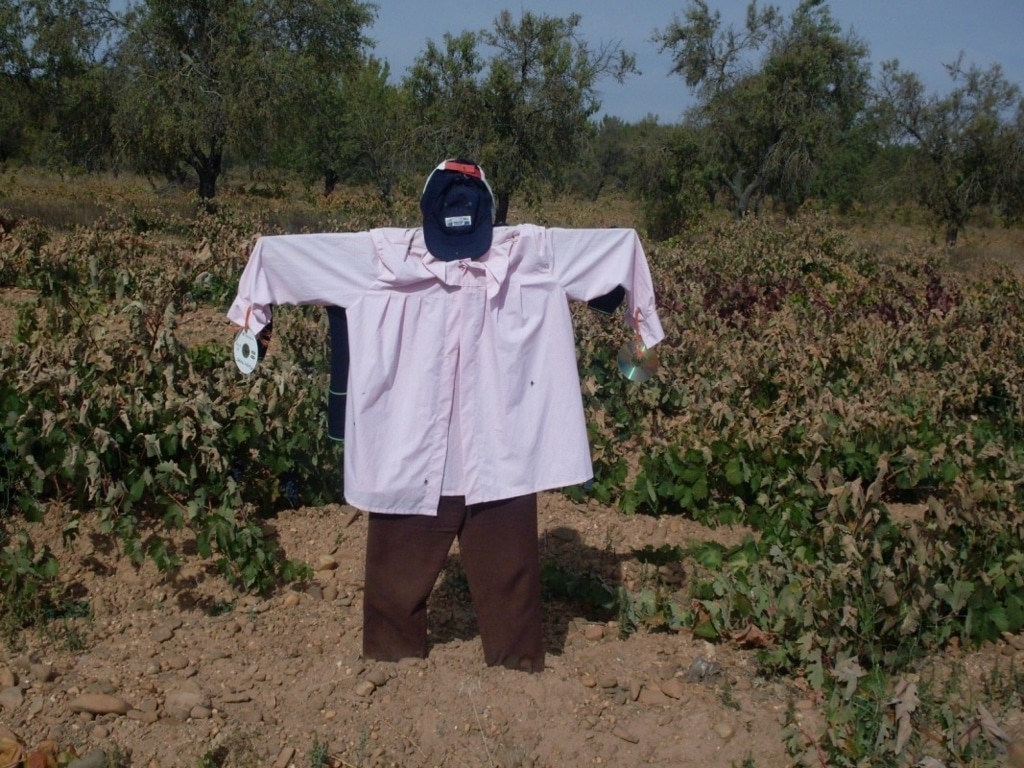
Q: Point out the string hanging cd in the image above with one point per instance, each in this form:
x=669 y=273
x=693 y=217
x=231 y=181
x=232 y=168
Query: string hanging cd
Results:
x=636 y=361
x=247 y=352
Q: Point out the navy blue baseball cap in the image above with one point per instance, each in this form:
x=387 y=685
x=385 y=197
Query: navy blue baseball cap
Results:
x=458 y=211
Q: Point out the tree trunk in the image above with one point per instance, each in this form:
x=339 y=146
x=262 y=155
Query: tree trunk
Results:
x=331 y=180
x=952 y=233
x=741 y=194
x=748 y=194
x=208 y=172
x=207 y=166
x=501 y=213
x=384 y=187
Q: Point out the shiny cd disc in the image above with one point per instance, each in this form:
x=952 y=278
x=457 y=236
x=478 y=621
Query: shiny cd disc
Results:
x=247 y=353
x=636 y=362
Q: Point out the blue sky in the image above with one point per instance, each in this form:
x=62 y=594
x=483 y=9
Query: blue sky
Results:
x=922 y=34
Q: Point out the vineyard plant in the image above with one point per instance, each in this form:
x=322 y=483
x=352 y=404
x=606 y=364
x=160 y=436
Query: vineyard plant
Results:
x=859 y=411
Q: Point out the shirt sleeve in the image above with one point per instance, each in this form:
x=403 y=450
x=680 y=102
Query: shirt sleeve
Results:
x=589 y=263
x=325 y=269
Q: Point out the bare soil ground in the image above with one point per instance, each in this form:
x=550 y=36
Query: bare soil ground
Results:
x=185 y=672
x=202 y=671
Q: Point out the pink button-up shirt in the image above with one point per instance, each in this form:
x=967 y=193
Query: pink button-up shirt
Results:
x=463 y=377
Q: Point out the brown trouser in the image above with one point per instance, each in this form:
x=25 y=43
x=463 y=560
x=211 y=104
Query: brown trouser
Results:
x=498 y=547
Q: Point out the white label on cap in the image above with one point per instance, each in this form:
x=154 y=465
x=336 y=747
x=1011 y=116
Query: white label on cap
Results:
x=458 y=221
x=246 y=351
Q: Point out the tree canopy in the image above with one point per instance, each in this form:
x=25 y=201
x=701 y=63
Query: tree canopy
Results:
x=55 y=82
x=201 y=76
x=769 y=122
x=969 y=152
x=525 y=112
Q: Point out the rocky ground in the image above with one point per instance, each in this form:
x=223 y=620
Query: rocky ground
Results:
x=178 y=672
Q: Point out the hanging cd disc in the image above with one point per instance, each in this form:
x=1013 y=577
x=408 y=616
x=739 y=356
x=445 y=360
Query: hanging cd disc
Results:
x=636 y=361
x=247 y=352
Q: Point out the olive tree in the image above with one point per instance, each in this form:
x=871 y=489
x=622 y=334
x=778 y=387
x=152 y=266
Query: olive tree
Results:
x=524 y=112
x=776 y=96
x=966 y=148
x=354 y=127
x=1010 y=189
x=446 y=94
x=55 y=84
x=202 y=77
x=377 y=129
x=17 y=70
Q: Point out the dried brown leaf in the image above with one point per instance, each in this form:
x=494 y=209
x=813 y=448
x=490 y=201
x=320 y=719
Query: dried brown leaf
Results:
x=905 y=701
x=753 y=637
x=996 y=735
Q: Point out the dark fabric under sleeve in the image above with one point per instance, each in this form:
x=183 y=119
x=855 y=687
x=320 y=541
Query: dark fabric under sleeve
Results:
x=608 y=303
x=337 y=392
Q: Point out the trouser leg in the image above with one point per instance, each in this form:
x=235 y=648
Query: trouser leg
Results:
x=404 y=555
x=498 y=547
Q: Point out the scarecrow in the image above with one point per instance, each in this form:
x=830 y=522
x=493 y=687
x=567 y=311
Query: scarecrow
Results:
x=463 y=398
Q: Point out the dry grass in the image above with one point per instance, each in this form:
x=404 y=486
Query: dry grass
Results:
x=286 y=204
x=980 y=252
x=64 y=203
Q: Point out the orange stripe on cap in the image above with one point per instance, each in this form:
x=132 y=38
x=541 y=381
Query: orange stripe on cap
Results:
x=467 y=168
